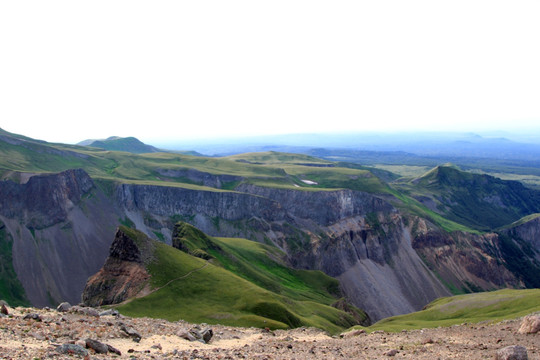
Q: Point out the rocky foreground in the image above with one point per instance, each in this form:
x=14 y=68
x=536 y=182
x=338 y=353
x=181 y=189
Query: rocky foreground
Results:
x=78 y=332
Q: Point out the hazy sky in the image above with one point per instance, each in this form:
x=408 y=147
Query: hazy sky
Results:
x=71 y=70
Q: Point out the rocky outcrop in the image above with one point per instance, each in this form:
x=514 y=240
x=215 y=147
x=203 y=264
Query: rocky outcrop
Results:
x=61 y=227
x=322 y=207
x=529 y=234
x=44 y=200
x=123 y=275
x=465 y=262
x=377 y=267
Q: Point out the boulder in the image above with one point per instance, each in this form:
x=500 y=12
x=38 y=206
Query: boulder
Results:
x=3 y=302
x=184 y=334
x=72 y=349
x=63 y=307
x=114 y=350
x=352 y=333
x=32 y=316
x=4 y=310
x=196 y=334
x=530 y=325
x=111 y=312
x=97 y=346
x=207 y=335
x=514 y=352
x=131 y=332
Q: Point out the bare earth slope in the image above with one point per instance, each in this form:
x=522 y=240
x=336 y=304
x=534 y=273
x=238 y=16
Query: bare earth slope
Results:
x=26 y=339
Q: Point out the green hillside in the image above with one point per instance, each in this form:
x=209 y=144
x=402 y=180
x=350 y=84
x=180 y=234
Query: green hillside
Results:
x=191 y=288
x=280 y=170
x=481 y=202
x=128 y=144
x=470 y=308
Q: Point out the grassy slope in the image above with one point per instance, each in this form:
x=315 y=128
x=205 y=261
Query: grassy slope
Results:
x=212 y=294
x=11 y=289
x=470 y=308
x=478 y=201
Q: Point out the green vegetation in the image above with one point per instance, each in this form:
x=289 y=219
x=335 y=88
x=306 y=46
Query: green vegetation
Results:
x=481 y=202
x=190 y=288
x=469 y=308
x=519 y=257
x=11 y=289
x=129 y=144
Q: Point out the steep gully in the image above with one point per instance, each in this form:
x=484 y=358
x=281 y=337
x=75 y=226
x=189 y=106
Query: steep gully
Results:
x=387 y=263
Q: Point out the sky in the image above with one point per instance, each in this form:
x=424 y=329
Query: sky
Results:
x=173 y=70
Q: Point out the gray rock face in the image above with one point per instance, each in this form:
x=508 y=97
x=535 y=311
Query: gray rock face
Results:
x=514 y=352
x=61 y=226
x=168 y=201
x=44 y=200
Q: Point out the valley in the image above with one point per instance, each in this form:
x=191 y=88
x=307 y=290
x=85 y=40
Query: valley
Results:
x=265 y=239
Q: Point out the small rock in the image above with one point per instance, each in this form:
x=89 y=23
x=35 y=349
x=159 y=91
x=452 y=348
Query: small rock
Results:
x=97 y=346
x=427 y=341
x=112 y=312
x=392 y=352
x=131 y=332
x=4 y=310
x=530 y=325
x=72 y=349
x=63 y=307
x=157 y=346
x=352 y=333
x=186 y=335
x=114 y=350
x=32 y=316
x=514 y=352
x=207 y=335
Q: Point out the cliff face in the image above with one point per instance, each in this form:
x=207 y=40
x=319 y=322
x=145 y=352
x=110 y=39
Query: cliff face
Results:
x=354 y=236
x=387 y=264
x=44 y=200
x=123 y=275
x=466 y=262
x=61 y=226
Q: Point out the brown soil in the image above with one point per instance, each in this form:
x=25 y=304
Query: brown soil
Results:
x=30 y=339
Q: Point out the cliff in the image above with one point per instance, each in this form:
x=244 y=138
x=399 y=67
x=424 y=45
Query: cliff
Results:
x=354 y=236
x=60 y=225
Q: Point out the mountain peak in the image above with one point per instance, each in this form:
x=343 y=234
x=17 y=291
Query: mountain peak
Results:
x=117 y=143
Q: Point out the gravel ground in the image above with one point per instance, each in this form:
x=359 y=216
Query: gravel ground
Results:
x=41 y=338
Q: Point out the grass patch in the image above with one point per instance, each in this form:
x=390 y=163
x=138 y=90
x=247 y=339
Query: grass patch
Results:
x=195 y=290
x=470 y=308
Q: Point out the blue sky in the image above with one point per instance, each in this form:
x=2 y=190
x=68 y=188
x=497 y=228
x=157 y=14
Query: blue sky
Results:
x=196 y=69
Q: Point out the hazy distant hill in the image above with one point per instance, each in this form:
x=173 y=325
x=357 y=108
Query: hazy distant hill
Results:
x=128 y=144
